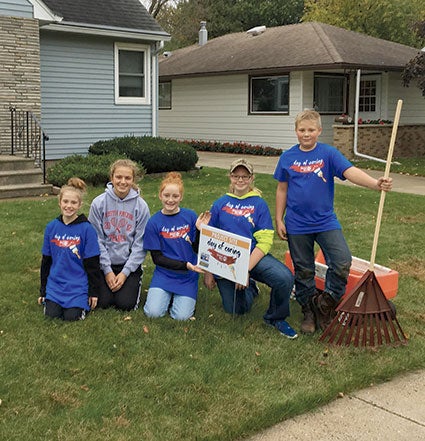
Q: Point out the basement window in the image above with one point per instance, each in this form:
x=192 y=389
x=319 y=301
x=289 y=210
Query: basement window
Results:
x=269 y=94
x=132 y=66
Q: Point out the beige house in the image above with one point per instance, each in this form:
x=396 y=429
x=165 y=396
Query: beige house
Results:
x=249 y=86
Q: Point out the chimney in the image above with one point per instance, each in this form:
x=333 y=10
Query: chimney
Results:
x=203 y=33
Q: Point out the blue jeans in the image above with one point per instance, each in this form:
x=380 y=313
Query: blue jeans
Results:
x=273 y=273
x=158 y=303
x=337 y=256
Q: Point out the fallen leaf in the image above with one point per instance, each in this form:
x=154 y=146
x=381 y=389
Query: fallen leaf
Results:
x=145 y=329
x=340 y=395
x=127 y=318
x=257 y=353
x=84 y=387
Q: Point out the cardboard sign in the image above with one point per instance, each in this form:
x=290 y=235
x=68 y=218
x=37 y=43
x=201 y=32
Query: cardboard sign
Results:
x=224 y=254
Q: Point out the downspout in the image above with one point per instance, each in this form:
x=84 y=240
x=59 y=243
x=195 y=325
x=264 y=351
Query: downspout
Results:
x=155 y=87
x=356 y=123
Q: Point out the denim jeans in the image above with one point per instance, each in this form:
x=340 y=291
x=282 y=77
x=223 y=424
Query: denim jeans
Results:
x=158 y=303
x=273 y=273
x=337 y=256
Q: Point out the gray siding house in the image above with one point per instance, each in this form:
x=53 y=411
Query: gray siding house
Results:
x=249 y=86
x=86 y=68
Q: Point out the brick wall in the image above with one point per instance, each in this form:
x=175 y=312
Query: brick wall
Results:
x=19 y=71
x=374 y=140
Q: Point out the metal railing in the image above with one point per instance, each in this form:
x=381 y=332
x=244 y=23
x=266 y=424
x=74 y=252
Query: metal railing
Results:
x=28 y=138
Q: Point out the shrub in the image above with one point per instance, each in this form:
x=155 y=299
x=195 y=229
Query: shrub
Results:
x=93 y=169
x=232 y=147
x=156 y=154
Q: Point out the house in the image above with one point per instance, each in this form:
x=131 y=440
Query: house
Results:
x=87 y=69
x=248 y=86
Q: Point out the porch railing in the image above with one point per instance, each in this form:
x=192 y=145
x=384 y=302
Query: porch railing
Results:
x=28 y=138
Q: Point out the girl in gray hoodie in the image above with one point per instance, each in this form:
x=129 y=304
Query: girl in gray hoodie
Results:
x=119 y=216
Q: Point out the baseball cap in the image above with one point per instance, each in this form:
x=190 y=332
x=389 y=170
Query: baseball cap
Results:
x=242 y=163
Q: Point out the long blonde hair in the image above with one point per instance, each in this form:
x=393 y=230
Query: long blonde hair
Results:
x=76 y=185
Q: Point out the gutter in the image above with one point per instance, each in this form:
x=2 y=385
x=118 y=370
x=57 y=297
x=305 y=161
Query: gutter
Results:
x=109 y=31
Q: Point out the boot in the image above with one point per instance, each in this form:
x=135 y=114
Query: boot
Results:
x=308 y=324
x=324 y=308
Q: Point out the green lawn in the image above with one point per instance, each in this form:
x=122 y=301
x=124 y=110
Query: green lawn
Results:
x=121 y=376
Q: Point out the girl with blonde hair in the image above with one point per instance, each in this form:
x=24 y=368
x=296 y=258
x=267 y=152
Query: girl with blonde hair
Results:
x=119 y=216
x=70 y=273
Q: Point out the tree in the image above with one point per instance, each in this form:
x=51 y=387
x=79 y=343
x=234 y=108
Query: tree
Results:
x=225 y=16
x=391 y=20
x=154 y=7
x=415 y=68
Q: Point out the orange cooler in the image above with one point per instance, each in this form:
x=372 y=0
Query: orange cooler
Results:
x=387 y=278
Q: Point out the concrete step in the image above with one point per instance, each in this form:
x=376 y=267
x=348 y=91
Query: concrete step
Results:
x=16 y=177
x=8 y=162
x=25 y=190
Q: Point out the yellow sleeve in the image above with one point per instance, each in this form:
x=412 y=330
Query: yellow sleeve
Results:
x=264 y=240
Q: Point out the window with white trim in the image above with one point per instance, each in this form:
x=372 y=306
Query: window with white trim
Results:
x=269 y=94
x=164 y=98
x=367 y=96
x=132 y=73
x=330 y=93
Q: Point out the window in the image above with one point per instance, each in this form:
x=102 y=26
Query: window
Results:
x=330 y=93
x=367 y=97
x=269 y=94
x=165 y=95
x=132 y=74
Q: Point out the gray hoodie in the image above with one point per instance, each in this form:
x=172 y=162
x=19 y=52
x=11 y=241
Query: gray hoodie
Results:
x=120 y=226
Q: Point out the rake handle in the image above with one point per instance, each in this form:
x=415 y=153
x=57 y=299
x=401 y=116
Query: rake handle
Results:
x=386 y=174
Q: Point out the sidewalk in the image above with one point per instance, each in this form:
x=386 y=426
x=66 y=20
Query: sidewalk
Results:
x=267 y=164
x=393 y=411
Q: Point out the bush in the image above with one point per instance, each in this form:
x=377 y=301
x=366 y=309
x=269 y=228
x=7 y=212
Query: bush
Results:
x=93 y=169
x=232 y=147
x=156 y=154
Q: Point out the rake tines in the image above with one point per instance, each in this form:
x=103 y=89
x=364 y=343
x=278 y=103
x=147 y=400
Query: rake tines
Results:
x=364 y=318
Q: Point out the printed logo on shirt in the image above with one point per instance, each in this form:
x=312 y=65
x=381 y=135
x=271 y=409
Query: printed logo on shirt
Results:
x=117 y=225
x=176 y=232
x=314 y=166
x=239 y=210
x=70 y=242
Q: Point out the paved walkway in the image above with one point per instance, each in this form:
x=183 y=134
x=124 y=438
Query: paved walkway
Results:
x=393 y=411
x=267 y=164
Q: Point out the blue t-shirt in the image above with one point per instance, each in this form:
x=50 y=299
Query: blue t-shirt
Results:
x=310 y=177
x=244 y=216
x=69 y=245
x=173 y=235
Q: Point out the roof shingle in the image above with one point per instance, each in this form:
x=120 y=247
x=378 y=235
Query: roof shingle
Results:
x=303 y=46
x=125 y=14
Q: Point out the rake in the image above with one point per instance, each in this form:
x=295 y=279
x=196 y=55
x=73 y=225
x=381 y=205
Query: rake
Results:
x=364 y=316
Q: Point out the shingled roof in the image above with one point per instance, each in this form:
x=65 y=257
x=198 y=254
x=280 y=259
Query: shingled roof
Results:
x=303 y=46
x=121 y=14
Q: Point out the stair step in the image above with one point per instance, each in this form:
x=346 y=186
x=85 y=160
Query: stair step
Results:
x=31 y=176
x=25 y=190
x=8 y=162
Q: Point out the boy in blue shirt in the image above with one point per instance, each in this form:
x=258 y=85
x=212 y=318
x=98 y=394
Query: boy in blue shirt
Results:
x=305 y=195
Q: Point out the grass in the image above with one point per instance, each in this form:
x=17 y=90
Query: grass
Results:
x=121 y=376
x=407 y=166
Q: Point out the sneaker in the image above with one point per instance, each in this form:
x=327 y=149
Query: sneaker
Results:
x=283 y=327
